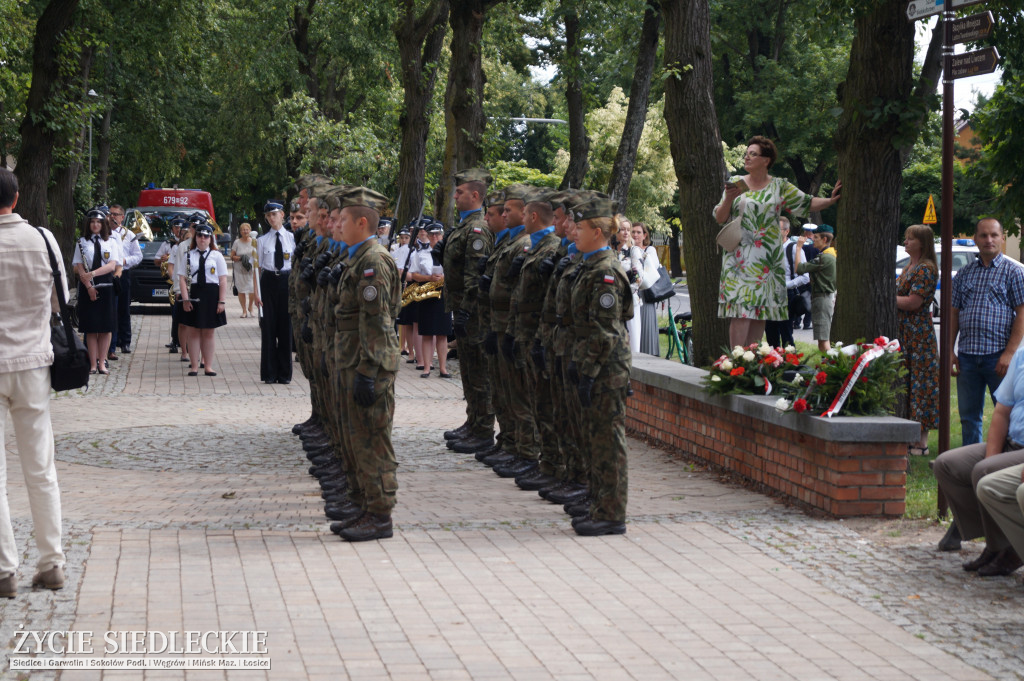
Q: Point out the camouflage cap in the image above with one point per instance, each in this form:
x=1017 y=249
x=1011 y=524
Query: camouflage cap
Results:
x=517 y=192
x=562 y=197
x=363 y=196
x=538 y=195
x=593 y=207
x=312 y=181
x=496 y=199
x=473 y=175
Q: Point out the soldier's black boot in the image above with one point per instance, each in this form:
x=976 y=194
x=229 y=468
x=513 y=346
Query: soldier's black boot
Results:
x=471 y=444
x=534 y=480
x=337 y=527
x=588 y=527
x=369 y=526
x=342 y=511
x=457 y=433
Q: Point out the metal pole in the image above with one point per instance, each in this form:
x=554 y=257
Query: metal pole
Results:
x=946 y=278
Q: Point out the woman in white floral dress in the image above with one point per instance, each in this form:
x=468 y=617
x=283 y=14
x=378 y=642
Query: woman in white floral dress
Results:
x=753 y=284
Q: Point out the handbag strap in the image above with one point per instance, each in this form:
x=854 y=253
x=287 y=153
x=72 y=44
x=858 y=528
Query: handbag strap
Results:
x=58 y=282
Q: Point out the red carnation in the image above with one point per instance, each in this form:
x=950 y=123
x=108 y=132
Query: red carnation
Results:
x=738 y=371
x=800 y=406
x=880 y=341
x=820 y=378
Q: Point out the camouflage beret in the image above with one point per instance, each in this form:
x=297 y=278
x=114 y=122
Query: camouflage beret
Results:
x=517 y=192
x=363 y=196
x=473 y=175
x=496 y=199
x=311 y=181
x=594 y=207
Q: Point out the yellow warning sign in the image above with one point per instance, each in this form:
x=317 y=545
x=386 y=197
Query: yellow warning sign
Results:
x=929 y=212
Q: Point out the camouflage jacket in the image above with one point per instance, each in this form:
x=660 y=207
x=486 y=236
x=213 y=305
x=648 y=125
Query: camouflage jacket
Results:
x=368 y=298
x=528 y=295
x=501 y=284
x=562 y=336
x=601 y=303
x=548 y=315
x=467 y=244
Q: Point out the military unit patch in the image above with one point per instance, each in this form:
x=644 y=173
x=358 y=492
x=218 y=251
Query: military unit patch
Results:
x=478 y=244
x=606 y=300
x=370 y=293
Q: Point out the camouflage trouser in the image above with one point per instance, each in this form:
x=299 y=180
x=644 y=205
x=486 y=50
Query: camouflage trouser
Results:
x=476 y=383
x=551 y=458
x=604 y=423
x=499 y=401
x=332 y=399
x=520 y=401
x=568 y=423
x=373 y=479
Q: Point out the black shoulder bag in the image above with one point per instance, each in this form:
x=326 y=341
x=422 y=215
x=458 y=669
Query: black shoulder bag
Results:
x=662 y=289
x=70 y=369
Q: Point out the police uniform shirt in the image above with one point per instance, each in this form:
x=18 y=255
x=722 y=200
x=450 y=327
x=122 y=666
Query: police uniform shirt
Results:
x=422 y=262
x=215 y=266
x=130 y=249
x=266 y=244
x=110 y=250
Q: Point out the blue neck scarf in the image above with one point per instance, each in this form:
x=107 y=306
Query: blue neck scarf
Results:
x=586 y=256
x=540 y=234
x=352 y=249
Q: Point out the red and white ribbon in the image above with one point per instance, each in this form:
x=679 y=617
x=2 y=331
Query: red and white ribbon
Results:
x=881 y=346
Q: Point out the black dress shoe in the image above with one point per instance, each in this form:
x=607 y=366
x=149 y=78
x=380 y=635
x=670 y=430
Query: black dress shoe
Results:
x=284 y=381
x=173 y=350
x=471 y=445
x=951 y=541
x=270 y=381
x=370 y=526
x=170 y=345
x=514 y=468
x=1005 y=563
x=986 y=557
x=588 y=527
x=125 y=350
x=457 y=433
x=533 y=480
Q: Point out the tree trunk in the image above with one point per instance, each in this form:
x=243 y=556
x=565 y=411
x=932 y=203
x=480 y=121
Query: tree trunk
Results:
x=37 y=139
x=419 y=44
x=464 y=101
x=103 y=159
x=579 y=143
x=880 y=77
x=302 y=15
x=636 y=113
x=65 y=177
x=697 y=157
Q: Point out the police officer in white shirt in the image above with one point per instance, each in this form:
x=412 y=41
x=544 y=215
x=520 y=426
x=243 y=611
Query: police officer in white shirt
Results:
x=274 y=251
x=132 y=256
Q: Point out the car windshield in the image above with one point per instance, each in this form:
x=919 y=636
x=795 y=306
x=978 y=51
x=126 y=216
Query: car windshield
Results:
x=160 y=221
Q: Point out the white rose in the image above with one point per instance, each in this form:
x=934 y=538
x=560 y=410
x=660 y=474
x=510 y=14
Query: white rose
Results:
x=748 y=356
x=765 y=350
x=790 y=349
x=798 y=380
x=737 y=352
x=726 y=365
x=834 y=352
x=782 y=404
x=716 y=379
x=838 y=344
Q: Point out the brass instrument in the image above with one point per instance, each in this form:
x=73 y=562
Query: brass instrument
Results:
x=139 y=225
x=415 y=293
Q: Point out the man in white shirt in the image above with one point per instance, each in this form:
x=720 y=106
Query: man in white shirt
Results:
x=122 y=336
x=27 y=297
x=274 y=252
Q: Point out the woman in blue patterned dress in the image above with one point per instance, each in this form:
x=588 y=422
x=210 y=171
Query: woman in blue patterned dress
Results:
x=915 y=291
x=753 y=284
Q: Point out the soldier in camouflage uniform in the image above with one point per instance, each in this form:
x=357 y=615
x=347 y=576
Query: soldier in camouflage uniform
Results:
x=464 y=249
x=521 y=343
x=298 y=292
x=366 y=352
x=600 y=361
x=509 y=256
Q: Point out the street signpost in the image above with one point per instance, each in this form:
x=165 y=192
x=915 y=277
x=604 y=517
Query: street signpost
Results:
x=919 y=9
x=973 y=63
x=953 y=67
x=972 y=28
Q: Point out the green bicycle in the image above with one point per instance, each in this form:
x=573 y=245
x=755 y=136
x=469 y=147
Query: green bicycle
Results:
x=680 y=336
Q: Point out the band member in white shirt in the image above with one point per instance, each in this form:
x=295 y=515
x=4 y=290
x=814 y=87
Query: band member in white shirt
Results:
x=206 y=279
x=97 y=260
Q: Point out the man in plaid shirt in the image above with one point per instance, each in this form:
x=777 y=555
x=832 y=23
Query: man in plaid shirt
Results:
x=988 y=314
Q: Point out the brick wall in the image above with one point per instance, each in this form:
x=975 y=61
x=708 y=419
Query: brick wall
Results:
x=843 y=466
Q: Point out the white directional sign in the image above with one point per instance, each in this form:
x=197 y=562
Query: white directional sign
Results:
x=918 y=9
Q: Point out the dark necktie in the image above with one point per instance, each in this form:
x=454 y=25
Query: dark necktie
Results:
x=201 y=280
x=97 y=261
x=278 y=254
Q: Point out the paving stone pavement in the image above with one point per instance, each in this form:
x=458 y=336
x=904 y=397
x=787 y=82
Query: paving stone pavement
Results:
x=187 y=507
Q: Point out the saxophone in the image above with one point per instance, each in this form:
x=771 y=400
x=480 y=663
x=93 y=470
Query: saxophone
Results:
x=414 y=293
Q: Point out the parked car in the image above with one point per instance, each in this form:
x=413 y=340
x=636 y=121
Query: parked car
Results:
x=158 y=207
x=963 y=250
